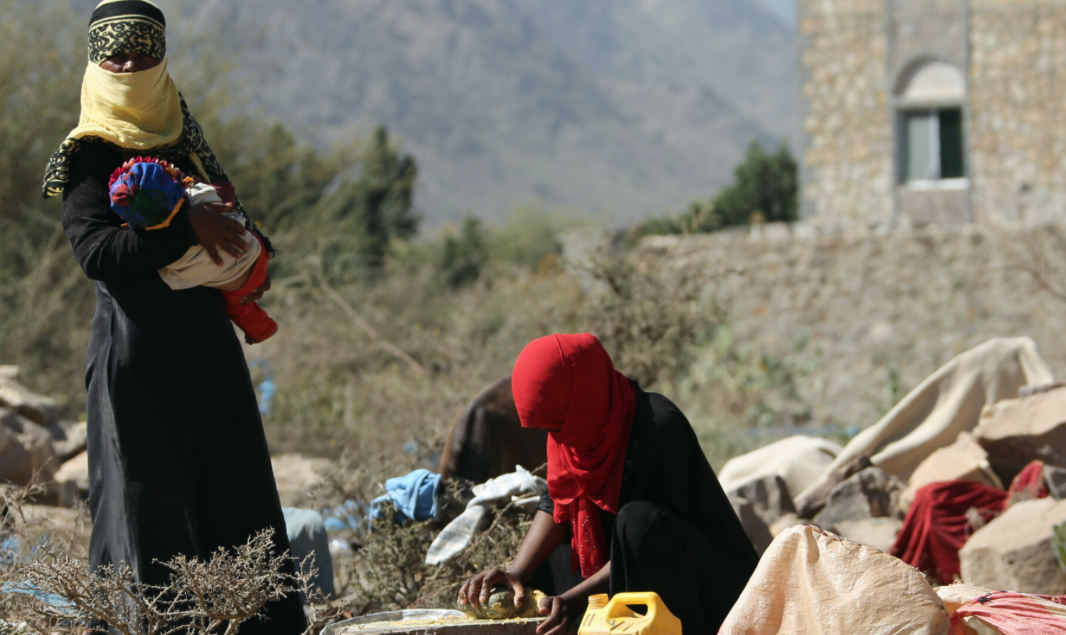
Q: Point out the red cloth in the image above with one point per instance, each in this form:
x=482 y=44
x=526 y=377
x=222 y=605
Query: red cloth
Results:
x=250 y=317
x=1030 y=482
x=567 y=384
x=1015 y=614
x=936 y=526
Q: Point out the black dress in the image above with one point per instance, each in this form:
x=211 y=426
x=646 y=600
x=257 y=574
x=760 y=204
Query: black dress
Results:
x=178 y=460
x=675 y=533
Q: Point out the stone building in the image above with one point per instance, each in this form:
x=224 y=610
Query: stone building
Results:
x=933 y=111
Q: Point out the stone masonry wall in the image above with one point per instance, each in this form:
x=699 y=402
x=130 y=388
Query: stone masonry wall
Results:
x=866 y=310
x=923 y=29
x=847 y=158
x=1018 y=109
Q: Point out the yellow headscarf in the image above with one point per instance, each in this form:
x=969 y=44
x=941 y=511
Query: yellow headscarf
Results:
x=140 y=111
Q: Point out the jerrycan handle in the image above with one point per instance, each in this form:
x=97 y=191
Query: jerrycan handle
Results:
x=617 y=607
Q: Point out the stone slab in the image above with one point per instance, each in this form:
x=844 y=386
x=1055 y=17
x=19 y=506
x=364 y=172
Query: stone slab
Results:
x=1014 y=551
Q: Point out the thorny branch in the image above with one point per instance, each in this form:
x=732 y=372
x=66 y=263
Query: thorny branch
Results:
x=212 y=597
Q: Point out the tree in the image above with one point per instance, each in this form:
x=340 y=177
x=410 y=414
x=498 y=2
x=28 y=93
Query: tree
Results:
x=465 y=255
x=764 y=184
x=385 y=200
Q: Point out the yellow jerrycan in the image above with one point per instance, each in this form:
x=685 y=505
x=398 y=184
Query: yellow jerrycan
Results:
x=605 y=617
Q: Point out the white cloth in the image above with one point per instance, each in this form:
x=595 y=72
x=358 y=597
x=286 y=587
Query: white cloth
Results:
x=948 y=402
x=195 y=268
x=520 y=487
x=813 y=583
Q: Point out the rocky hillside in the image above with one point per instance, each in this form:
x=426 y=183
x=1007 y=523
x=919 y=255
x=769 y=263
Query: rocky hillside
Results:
x=625 y=107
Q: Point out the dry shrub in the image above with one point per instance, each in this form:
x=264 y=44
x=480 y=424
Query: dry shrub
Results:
x=45 y=560
x=650 y=316
x=493 y=548
x=386 y=569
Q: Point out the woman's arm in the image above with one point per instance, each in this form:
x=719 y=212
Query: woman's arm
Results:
x=542 y=539
x=565 y=610
x=102 y=247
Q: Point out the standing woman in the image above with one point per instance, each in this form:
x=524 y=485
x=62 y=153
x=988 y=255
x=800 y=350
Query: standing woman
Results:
x=629 y=486
x=178 y=460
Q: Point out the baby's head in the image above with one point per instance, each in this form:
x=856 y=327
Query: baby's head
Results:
x=147 y=192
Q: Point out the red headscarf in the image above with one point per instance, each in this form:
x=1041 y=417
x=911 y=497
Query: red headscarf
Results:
x=567 y=384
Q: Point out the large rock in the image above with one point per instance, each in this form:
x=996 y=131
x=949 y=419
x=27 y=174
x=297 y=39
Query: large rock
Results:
x=309 y=546
x=760 y=503
x=770 y=495
x=798 y=460
x=1055 y=477
x=37 y=408
x=72 y=480
x=878 y=533
x=1016 y=432
x=9 y=372
x=964 y=460
x=871 y=493
x=25 y=450
x=297 y=477
x=1014 y=552
x=69 y=439
x=813 y=500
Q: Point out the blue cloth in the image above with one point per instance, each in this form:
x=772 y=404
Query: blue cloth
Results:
x=27 y=588
x=146 y=194
x=349 y=516
x=414 y=496
x=307 y=534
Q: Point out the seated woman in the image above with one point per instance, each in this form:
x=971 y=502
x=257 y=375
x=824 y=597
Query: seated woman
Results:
x=629 y=485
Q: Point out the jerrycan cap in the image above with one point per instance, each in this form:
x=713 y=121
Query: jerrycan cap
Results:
x=598 y=601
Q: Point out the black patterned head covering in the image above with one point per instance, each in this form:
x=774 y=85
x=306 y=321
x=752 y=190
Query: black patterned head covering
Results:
x=127 y=26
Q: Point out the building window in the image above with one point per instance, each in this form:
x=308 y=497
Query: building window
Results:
x=933 y=145
x=929 y=100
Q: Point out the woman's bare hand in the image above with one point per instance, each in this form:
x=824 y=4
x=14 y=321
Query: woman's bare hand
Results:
x=214 y=230
x=562 y=614
x=477 y=589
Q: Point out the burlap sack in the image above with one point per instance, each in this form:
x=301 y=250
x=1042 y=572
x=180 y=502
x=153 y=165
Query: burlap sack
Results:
x=813 y=583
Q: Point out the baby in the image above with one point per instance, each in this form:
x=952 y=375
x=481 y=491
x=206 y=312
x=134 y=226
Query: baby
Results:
x=147 y=193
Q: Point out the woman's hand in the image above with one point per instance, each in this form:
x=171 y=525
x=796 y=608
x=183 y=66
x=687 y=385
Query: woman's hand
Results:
x=563 y=616
x=213 y=230
x=477 y=589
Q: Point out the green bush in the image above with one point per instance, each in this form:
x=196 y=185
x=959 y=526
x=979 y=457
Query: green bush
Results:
x=764 y=186
x=764 y=189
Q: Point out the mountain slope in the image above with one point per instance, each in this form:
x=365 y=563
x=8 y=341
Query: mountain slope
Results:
x=497 y=104
x=737 y=48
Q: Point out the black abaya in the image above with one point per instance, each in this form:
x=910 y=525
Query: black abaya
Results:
x=675 y=533
x=178 y=460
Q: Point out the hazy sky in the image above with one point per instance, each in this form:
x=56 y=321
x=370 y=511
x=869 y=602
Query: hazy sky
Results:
x=786 y=9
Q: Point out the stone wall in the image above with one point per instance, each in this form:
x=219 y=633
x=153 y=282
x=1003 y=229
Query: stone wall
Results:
x=1018 y=109
x=925 y=29
x=866 y=312
x=847 y=155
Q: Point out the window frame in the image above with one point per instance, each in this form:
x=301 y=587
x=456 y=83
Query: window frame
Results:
x=905 y=112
